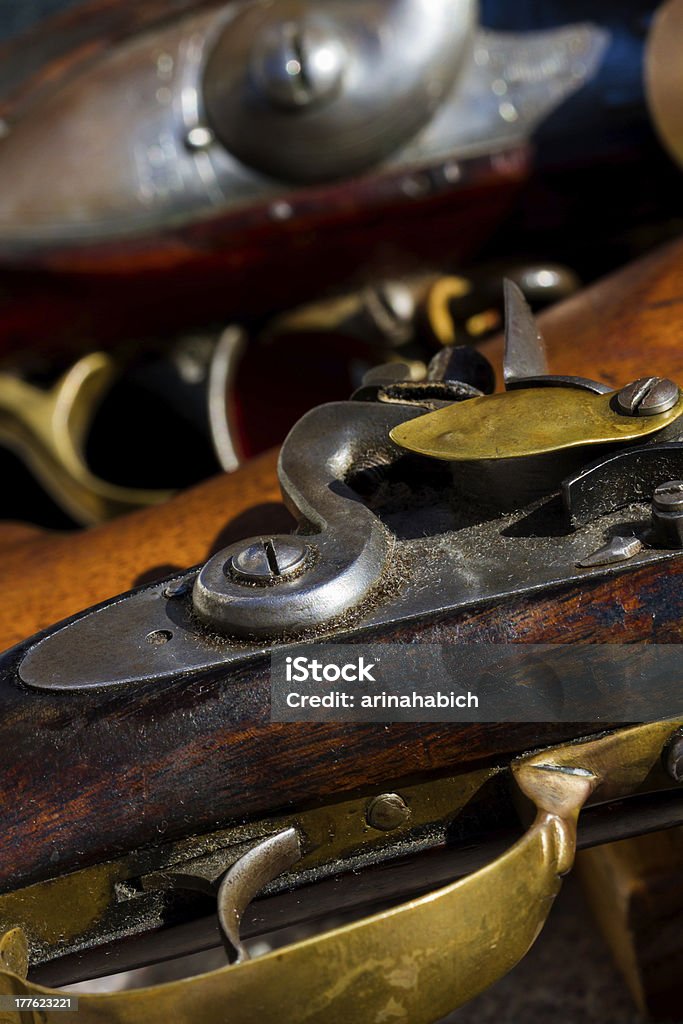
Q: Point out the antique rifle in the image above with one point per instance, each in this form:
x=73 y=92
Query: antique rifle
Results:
x=150 y=779
x=262 y=135
x=616 y=324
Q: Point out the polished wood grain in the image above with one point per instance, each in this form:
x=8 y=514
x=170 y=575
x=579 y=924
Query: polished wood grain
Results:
x=96 y=772
x=45 y=576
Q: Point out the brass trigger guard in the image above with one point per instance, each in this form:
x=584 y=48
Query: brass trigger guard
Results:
x=47 y=429
x=413 y=963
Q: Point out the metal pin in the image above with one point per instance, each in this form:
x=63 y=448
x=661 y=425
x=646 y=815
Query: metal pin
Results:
x=387 y=812
x=667 y=512
x=618 y=549
x=177 y=588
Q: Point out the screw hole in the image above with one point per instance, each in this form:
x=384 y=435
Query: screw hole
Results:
x=159 y=636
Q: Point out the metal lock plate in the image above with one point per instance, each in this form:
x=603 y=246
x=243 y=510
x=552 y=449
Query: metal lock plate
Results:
x=386 y=537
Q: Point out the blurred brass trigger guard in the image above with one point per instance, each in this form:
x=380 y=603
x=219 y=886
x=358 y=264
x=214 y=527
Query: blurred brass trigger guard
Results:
x=48 y=429
x=664 y=76
x=414 y=963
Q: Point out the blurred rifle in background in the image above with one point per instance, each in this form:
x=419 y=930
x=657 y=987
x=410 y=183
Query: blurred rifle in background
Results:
x=171 y=166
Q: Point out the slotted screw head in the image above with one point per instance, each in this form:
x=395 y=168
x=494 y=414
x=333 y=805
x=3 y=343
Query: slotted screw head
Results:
x=648 y=396
x=668 y=497
x=268 y=560
x=297 y=63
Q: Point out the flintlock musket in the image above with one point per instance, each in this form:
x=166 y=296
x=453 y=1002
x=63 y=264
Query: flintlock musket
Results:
x=154 y=778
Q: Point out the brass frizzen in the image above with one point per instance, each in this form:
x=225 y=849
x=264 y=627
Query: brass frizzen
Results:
x=528 y=421
x=539 y=414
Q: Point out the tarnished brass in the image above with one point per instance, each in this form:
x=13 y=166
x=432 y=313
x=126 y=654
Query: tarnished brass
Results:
x=528 y=421
x=437 y=306
x=483 y=323
x=387 y=314
x=416 y=962
x=66 y=913
x=82 y=897
x=48 y=430
x=14 y=952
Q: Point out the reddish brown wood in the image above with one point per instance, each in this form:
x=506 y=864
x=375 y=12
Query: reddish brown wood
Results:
x=129 y=758
x=245 y=264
